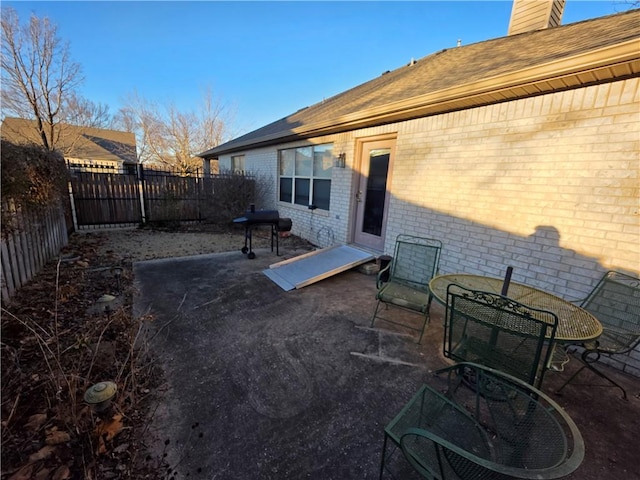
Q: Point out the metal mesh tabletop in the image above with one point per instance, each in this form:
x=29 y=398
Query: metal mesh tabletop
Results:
x=575 y=324
x=484 y=424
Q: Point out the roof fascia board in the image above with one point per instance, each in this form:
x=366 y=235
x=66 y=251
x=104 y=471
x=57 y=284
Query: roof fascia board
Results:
x=477 y=93
x=593 y=60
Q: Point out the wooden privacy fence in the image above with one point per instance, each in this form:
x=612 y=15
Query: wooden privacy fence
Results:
x=37 y=237
x=102 y=198
x=154 y=196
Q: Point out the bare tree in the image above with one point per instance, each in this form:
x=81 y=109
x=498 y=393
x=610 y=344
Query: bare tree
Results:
x=140 y=116
x=38 y=73
x=80 y=111
x=173 y=138
x=40 y=81
x=213 y=131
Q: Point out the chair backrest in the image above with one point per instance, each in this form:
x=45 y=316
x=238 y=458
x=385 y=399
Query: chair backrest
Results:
x=496 y=331
x=500 y=428
x=615 y=302
x=415 y=261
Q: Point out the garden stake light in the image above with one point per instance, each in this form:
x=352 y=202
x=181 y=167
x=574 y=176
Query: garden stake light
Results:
x=117 y=273
x=99 y=396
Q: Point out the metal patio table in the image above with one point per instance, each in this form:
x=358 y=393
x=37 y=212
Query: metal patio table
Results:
x=575 y=324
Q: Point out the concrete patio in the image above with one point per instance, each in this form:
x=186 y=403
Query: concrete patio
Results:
x=267 y=384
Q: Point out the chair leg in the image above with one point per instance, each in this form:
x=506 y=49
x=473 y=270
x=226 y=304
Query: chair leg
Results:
x=424 y=325
x=602 y=375
x=440 y=370
x=426 y=318
x=589 y=364
x=384 y=452
x=387 y=319
x=373 y=319
x=571 y=378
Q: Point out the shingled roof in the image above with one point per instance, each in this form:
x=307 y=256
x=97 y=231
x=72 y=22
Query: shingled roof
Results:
x=516 y=66
x=84 y=143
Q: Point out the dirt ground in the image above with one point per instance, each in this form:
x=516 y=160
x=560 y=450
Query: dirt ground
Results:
x=60 y=336
x=289 y=385
x=48 y=433
x=135 y=244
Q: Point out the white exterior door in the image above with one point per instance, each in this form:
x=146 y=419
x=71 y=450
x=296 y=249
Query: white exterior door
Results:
x=372 y=192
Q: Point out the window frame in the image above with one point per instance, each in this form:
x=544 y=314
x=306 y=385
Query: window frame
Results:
x=306 y=168
x=241 y=159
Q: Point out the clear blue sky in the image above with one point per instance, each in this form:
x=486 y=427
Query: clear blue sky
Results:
x=265 y=59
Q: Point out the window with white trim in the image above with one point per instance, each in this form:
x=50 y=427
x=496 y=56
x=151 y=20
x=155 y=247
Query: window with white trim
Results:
x=305 y=175
x=237 y=163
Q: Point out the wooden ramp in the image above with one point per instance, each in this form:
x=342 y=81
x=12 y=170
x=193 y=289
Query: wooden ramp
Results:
x=314 y=266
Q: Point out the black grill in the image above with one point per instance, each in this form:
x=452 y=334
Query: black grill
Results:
x=254 y=218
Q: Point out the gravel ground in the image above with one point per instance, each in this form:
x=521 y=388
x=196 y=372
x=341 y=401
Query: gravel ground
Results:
x=135 y=244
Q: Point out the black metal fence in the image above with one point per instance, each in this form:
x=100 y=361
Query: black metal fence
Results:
x=149 y=195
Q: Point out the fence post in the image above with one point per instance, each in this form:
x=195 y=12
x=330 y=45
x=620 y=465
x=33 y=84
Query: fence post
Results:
x=74 y=217
x=141 y=192
x=199 y=191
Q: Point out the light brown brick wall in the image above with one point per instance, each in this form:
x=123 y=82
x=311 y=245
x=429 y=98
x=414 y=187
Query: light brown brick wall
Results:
x=552 y=178
x=549 y=185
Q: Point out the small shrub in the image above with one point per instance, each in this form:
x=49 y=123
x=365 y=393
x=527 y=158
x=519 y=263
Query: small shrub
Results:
x=231 y=194
x=32 y=177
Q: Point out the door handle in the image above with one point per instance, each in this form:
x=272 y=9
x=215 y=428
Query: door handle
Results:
x=359 y=196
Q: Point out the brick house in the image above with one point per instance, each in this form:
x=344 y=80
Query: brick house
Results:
x=521 y=150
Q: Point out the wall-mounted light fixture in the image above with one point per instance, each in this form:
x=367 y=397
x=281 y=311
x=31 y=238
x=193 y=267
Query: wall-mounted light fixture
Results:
x=341 y=160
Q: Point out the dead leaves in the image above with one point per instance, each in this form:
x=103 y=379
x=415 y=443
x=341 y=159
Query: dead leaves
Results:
x=36 y=421
x=50 y=345
x=53 y=436
x=67 y=292
x=42 y=454
x=56 y=437
x=61 y=473
x=107 y=431
x=25 y=473
x=34 y=467
x=48 y=463
x=41 y=465
x=31 y=472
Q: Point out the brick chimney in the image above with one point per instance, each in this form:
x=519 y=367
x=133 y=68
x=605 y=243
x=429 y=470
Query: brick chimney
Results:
x=530 y=15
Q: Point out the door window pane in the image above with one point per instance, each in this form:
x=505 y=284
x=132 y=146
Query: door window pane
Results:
x=378 y=169
x=376 y=190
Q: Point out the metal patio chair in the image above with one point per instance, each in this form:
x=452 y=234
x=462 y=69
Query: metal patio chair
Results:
x=502 y=428
x=498 y=332
x=404 y=283
x=615 y=302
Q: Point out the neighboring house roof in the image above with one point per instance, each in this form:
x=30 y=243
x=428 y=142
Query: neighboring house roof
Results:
x=516 y=66
x=84 y=143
